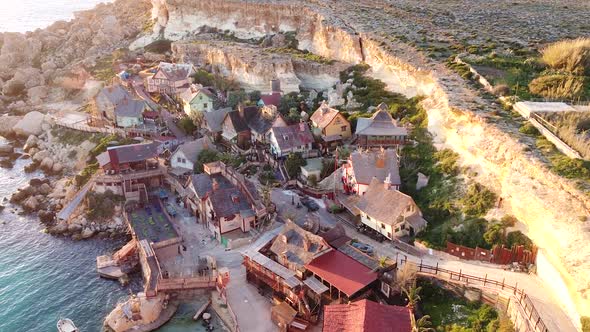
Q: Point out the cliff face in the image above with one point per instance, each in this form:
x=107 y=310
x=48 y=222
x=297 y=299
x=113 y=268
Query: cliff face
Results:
x=550 y=206
x=253 y=67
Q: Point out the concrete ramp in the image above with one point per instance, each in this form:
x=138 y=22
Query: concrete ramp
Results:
x=67 y=211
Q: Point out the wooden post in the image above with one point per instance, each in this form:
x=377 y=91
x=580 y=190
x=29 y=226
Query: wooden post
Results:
x=485 y=279
x=436 y=271
x=503 y=283
x=460 y=271
x=515 y=287
x=420 y=265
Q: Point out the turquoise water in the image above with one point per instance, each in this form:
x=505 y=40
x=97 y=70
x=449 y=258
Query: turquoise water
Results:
x=43 y=278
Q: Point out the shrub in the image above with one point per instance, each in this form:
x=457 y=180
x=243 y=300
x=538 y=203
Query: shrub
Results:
x=102 y=206
x=206 y=156
x=528 y=129
x=82 y=178
x=478 y=200
x=312 y=180
x=447 y=161
x=187 y=125
x=568 y=55
x=585 y=320
x=570 y=168
x=501 y=90
x=558 y=86
x=293 y=164
x=518 y=238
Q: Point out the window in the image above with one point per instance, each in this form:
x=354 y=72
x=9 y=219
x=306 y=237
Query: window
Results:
x=179 y=159
x=204 y=105
x=389 y=235
x=343 y=128
x=382 y=225
x=368 y=218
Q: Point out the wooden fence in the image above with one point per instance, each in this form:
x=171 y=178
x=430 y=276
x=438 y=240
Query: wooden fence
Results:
x=532 y=316
x=498 y=255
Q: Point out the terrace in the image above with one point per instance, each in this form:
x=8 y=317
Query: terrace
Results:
x=151 y=223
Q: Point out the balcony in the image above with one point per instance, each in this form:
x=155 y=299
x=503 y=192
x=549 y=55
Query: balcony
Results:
x=131 y=175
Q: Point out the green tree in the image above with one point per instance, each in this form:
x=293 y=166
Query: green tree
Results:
x=293 y=164
x=206 y=156
x=421 y=325
x=478 y=200
x=312 y=180
x=412 y=294
x=187 y=125
x=234 y=98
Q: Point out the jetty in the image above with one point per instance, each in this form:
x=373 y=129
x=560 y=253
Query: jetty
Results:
x=118 y=265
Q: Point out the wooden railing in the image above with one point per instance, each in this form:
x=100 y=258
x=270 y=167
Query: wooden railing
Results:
x=531 y=313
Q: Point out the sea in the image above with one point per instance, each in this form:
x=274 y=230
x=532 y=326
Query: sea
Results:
x=44 y=277
x=28 y=15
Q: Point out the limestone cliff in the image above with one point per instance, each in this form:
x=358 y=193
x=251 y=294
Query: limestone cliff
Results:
x=550 y=206
x=253 y=66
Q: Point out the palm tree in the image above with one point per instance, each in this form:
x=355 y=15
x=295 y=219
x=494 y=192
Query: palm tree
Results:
x=382 y=263
x=421 y=325
x=413 y=295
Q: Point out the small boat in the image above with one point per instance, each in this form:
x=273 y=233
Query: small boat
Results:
x=66 y=325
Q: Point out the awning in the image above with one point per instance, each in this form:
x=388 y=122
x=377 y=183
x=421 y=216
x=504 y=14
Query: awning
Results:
x=315 y=285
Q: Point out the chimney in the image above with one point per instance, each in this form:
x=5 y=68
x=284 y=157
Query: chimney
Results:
x=301 y=126
x=306 y=243
x=235 y=199
x=380 y=159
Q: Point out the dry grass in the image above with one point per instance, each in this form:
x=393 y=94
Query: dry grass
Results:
x=558 y=86
x=572 y=56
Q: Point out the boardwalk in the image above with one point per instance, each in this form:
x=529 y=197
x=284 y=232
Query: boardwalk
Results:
x=67 y=211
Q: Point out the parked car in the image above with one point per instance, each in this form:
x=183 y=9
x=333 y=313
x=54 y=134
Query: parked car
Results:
x=365 y=248
x=310 y=204
x=171 y=210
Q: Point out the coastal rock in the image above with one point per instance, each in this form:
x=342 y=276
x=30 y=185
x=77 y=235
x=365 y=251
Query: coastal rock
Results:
x=44 y=189
x=6 y=125
x=14 y=87
x=57 y=168
x=60 y=228
x=31 y=204
x=30 y=124
x=46 y=216
x=6 y=149
x=31 y=142
x=74 y=228
x=87 y=233
x=37 y=94
x=47 y=164
x=39 y=156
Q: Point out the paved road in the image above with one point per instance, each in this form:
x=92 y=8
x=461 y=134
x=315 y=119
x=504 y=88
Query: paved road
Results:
x=546 y=302
x=252 y=309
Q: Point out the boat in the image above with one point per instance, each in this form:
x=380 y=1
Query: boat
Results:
x=66 y=325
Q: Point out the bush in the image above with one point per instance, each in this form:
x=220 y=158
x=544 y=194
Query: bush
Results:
x=528 y=129
x=205 y=157
x=447 y=161
x=570 y=168
x=102 y=206
x=585 y=323
x=187 y=125
x=312 y=180
x=85 y=175
x=501 y=90
x=572 y=56
x=478 y=200
x=293 y=164
x=558 y=86
x=518 y=238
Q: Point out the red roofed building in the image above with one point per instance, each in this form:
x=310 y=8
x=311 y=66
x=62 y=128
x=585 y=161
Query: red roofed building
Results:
x=366 y=316
x=347 y=277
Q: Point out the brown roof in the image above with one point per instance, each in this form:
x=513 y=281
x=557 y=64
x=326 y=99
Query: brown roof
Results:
x=366 y=316
x=271 y=99
x=380 y=124
x=128 y=153
x=295 y=247
x=342 y=272
x=324 y=115
x=175 y=71
x=336 y=236
x=387 y=206
x=382 y=165
x=293 y=136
